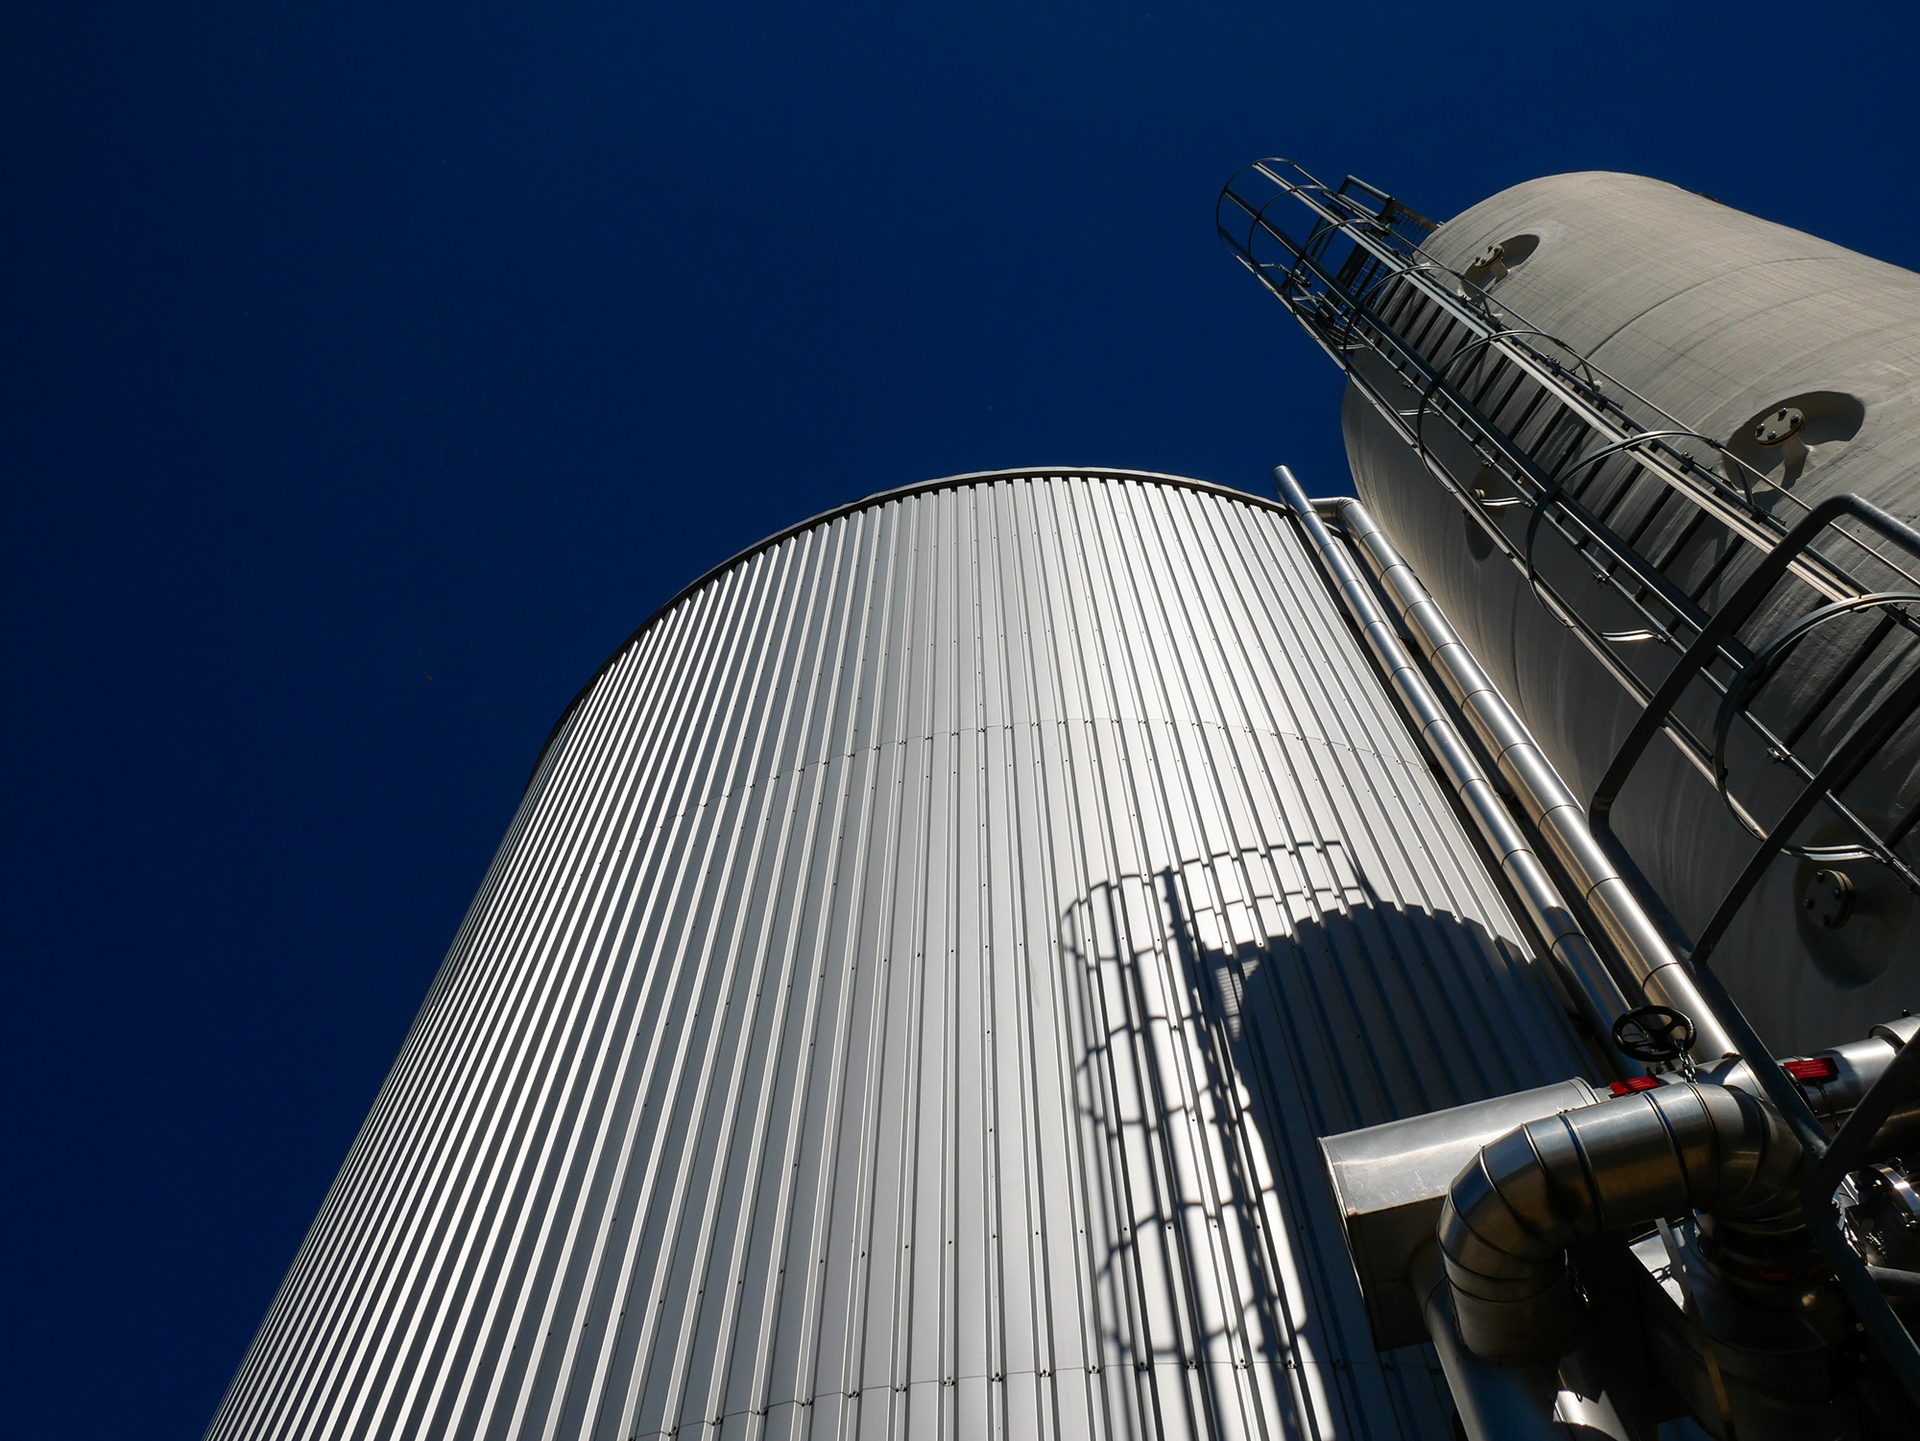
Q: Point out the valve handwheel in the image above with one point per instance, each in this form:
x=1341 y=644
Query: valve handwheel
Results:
x=1653 y=1034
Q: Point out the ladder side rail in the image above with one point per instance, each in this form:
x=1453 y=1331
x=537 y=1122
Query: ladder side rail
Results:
x=1562 y=612
x=1782 y=550
x=1417 y=256
x=1408 y=362
x=1385 y=342
x=1733 y=613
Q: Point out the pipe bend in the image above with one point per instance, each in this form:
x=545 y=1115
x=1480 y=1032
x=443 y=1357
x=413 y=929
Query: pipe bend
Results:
x=1514 y=1211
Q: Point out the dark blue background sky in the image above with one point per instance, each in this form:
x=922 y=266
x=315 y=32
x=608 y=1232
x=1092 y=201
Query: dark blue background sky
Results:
x=370 y=372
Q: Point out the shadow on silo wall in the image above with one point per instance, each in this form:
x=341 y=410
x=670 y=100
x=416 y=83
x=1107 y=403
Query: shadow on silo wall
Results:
x=1210 y=1073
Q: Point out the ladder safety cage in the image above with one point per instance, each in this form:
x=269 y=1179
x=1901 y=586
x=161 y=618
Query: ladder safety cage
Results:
x=1628 y=490
x=1575 y=458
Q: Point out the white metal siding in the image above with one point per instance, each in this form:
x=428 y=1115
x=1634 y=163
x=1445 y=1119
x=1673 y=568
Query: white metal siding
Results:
x=905 y=1003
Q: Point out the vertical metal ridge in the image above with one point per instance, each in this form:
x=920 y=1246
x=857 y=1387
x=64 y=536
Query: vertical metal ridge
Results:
x=905 y=1001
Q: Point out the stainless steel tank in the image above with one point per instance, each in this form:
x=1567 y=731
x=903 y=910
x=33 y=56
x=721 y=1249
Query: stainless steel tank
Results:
x=906 y=1003
x=1643 y=465
x=1781 y=366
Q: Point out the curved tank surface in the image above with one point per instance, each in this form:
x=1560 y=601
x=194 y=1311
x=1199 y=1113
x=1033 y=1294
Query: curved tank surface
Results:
x=906 y=1001
x=1794 y=364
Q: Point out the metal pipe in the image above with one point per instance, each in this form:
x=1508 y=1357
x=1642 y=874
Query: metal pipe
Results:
x=1580 y=966
x=1833 y=1091
x=1390 y=1180
x=1393 y=1185
x=1511 y=1215
x=1662 y=977
x=1537 y=1402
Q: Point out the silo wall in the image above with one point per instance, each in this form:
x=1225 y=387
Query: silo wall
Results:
x=905 y=1004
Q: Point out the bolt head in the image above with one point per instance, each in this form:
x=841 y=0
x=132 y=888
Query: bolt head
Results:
x=1782 y=424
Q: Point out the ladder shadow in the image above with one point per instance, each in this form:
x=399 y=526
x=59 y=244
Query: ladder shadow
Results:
x=1208 y=1075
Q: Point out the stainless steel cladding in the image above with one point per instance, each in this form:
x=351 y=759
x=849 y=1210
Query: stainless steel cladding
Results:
x=906 y=1002
x=1584 y=409
x=1725 y=321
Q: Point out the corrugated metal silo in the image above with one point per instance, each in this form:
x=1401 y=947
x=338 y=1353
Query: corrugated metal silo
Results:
x=905 y=1004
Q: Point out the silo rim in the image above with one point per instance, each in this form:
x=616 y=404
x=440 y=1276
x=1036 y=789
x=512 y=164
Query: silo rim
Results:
x=880 y=497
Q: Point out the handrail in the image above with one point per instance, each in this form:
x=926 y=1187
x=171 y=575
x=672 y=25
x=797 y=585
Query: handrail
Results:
x=1517 y=322
x=1829 y=1159
x=1474 y=308
x=1342 y=307
x=1659 y=611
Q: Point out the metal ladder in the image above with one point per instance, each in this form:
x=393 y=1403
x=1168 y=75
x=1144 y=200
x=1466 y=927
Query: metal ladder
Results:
x=1578 y=479
x=1627 y=492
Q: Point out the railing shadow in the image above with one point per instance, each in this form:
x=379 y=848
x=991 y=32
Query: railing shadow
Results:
x=1220 y=1045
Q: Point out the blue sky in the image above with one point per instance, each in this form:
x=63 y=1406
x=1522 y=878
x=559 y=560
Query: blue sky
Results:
x=371 y=371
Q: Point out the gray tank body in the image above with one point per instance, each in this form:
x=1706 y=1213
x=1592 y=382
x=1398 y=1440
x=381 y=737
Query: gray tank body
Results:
x=906 y=1003
x=1721 y=319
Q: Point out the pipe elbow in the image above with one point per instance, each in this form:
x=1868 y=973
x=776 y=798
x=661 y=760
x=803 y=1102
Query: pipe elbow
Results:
x=1758 y=1188
x=1514 y=1211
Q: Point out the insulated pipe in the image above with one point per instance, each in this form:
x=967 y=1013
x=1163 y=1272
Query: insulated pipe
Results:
x=1538 y=1402
x=1524 y=1199
x=1832 y=1091
x=1662 y=976
x=1573 y=955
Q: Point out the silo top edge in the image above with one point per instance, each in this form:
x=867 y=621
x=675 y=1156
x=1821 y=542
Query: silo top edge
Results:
x=881 y=497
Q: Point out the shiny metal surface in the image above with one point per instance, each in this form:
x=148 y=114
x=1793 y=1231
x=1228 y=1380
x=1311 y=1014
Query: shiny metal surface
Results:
x=905 y=1004
x=1582 y=970
x=1510 y=1216
x=1389 y=1182
x=1571 y=1400
x=1856 y=1066
x=1661 y=975
x=1749 y=1372
x=1722 y=319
